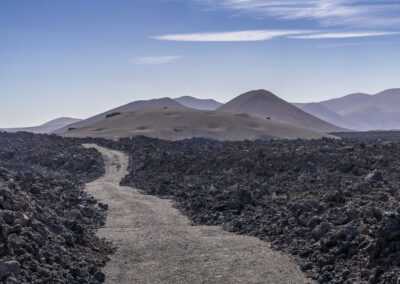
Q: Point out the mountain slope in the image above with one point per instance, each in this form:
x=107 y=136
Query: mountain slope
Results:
x=348 y=104
x=360 y=111
x=195 y=103
x=264 y=104
x=137 y=105
x=178 y=124
x=322 y=112
x=47 y=127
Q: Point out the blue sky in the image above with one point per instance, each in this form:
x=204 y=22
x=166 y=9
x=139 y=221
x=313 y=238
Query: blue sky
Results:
x=80 y=57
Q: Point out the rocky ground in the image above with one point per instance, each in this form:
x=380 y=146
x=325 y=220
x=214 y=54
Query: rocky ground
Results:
x=333 y=204
x=371 y=135
x=47 y=221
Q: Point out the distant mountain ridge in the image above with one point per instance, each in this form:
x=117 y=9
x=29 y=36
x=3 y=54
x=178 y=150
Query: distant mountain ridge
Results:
x=264 y=104
x=201 y=104
x=360 y=111
x=136 y=105
x=45 y=128
x=260 y=103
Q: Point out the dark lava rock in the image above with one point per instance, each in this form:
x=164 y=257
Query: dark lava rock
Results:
x=375 y=175
x=99 y=276
x=9 y=267
x=47 y=221
x=311 y=199
x=308 y=198
x=321 y=230
x=240 y=199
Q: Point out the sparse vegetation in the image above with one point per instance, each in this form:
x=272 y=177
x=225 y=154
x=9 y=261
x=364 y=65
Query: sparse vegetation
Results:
x=112 y=114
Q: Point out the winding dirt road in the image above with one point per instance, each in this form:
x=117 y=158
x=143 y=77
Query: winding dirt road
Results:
x=155 y=243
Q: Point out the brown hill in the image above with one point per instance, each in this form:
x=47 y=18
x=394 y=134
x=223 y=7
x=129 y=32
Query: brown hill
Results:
x=137 y=105
x=264 y=104
x=178 y=124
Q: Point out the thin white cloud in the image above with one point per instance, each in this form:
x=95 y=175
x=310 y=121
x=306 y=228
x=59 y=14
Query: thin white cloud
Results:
x=154 y=60
x=351 y=44
x=362 y=13
x=260 y=35
x=254 y=35
x=343 y=35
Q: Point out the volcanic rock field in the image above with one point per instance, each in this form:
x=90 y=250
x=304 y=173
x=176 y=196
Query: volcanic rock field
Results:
x=334 y=205
x=47 y=223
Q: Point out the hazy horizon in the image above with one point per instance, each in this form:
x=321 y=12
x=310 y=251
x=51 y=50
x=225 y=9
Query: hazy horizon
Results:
x=79 y=58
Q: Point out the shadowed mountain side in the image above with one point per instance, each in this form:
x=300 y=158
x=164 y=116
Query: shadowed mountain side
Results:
x=360 y=111
x=386 y=101
x=204 y=104
x=373 y=118
x=262 y=103
x=137 y=105
x=347 y=104
x=47 y=127
x=323 y=113
x=178 y=124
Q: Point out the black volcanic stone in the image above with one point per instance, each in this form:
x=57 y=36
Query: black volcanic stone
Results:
x=324 y=201
x=47 y=221
x=311 y=199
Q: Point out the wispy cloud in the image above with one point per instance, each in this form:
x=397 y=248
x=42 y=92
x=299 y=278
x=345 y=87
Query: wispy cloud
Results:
x=154 y=60
x=260 y=35
x=343 y=35
x=350 y=44
x=362 y=13
x=254 y=35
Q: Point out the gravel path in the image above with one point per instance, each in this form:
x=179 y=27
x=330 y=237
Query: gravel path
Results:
x=155 y=243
